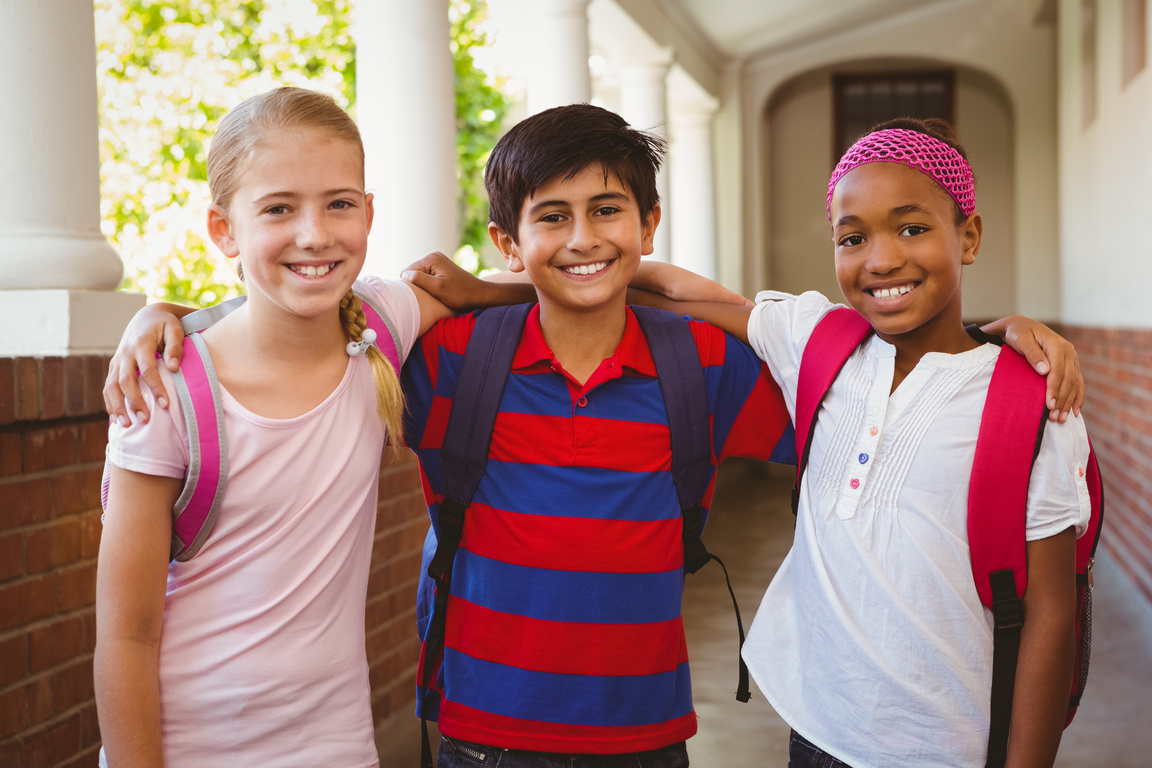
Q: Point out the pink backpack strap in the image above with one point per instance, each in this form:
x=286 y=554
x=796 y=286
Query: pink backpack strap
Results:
x=196 y=508
x=387 y=340
x=1010 y=429
x=835 y=337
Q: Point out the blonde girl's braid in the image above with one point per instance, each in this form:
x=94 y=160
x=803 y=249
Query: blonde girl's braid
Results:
x=389 y=397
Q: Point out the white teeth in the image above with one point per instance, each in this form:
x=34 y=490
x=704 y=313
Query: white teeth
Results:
x=586 y=269
x=888 y=293
x=310 y=271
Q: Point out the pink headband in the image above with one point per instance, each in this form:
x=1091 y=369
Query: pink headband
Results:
x=930 y=156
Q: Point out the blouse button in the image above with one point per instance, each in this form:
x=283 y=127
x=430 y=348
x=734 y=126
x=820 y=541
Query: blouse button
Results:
x=1081 y=471
x=582 y=402
x=873 y=431
x=854 y=483
x=863 y=458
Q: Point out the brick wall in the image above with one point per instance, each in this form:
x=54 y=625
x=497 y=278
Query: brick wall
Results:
x=53 y=431
x=1117 y=366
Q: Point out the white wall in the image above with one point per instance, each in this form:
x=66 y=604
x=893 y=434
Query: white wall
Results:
x=994 y=37
x=1105 y=181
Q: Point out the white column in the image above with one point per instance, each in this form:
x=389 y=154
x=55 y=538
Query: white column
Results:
x=693 y=187
x=58 y=274
x=406 y=109
x=644 y=104
x=559 y=75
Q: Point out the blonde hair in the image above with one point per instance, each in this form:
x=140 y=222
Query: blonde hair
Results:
x=389 y=396
x=241 y=131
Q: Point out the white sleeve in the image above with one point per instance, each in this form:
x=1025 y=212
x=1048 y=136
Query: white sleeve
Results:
x=778 y=331
x=398 y=300
x=1058 y=489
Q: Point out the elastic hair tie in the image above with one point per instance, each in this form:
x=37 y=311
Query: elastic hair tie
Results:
x=367 y=339
x=919 y=151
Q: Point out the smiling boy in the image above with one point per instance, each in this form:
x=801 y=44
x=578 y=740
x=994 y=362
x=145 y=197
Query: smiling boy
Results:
x=564 y=638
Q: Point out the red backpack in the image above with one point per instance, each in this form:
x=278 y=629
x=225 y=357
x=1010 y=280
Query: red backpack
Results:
x=1011 y=428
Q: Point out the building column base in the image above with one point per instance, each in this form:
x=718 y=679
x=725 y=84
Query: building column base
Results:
x=61 y=323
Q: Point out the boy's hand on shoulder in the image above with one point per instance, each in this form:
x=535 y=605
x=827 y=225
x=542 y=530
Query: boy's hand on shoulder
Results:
x=154 y=329
x=445 y=280
x=1049 y=354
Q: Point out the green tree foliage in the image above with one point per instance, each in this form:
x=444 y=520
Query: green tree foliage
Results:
x=168 y=71
x=480 y=110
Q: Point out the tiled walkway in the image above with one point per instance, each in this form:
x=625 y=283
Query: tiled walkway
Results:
x=751 y=531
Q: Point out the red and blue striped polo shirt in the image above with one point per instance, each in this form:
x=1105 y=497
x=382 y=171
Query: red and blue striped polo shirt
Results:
x=563 y=628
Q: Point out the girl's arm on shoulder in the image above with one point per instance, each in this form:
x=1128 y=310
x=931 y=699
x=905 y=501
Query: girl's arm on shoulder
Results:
x=131 y=577
x=1047 y=645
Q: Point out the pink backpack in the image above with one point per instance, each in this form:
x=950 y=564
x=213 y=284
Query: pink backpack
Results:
x=199 y=392
x=1011 y=428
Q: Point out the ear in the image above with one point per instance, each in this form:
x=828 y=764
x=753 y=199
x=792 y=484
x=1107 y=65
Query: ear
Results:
x=220 y=230
x=971 y=232
x=648 y=230
x=369 y=210
x=507 y=247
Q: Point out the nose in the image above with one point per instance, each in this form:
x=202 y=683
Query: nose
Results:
x=314 y=232
x=884 y=256
x=584 y=235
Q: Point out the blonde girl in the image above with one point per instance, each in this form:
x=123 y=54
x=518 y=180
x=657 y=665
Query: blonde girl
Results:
x=252 y=652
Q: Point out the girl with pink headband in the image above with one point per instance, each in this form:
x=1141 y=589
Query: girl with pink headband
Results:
x=871 y=641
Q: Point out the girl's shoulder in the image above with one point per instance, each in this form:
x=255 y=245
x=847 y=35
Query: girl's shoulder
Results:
x=395 y=300
x=158 y=446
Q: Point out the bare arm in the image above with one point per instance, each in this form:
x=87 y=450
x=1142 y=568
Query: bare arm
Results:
x=131 y=575
x=1047 y=644
x=156 y=328
x=731 y=318
x=460 y=290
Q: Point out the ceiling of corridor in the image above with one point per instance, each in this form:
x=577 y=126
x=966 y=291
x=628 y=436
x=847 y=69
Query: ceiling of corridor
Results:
x=738 y=28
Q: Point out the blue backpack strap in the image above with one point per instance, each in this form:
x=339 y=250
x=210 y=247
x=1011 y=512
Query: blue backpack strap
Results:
x=835 y=337
x=685 y=394
x=463 y=460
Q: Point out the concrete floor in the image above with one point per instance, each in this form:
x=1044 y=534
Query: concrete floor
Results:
x=752 y=531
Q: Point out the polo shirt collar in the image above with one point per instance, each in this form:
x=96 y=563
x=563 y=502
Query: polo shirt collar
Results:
x=632 y=353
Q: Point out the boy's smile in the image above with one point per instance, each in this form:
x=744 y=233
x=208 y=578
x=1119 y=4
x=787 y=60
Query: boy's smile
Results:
x=899 y=255
x=580 y=241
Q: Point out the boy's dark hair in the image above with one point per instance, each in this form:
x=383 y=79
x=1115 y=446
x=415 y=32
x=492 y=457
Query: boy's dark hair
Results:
x=937 y=128
x=560 y=143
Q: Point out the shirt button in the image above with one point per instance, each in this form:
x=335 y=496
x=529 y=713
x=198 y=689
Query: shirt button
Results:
x=863 y=458
x=582 y=402
x=855 y=483
x=873 y=431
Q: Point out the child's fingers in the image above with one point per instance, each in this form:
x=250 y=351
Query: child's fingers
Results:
x=113 y=396
x=173 y=352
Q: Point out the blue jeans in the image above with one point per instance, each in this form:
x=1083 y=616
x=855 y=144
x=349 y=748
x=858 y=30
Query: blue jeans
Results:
x=804 y=754
x=455 y=753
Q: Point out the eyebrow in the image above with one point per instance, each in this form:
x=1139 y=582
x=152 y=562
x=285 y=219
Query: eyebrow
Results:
x=898 y=211
x=294 y=195
x=601 y=198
